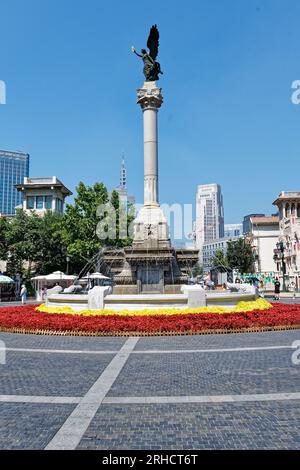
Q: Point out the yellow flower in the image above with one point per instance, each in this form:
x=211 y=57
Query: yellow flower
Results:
x=259 y=304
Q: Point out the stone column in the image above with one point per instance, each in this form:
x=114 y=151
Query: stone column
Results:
x=283 y=210
x=150 y=99
x=151 y=228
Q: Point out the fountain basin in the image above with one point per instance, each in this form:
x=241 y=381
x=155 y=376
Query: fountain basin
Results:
x=151 y=301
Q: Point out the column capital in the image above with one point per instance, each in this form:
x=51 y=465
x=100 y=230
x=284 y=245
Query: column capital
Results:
x=149 y=96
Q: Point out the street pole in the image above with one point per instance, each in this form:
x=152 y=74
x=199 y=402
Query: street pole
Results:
x=68 y=262
x=279 y=257
x=283 y=272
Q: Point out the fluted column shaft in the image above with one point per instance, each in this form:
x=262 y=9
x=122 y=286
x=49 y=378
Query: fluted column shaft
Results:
x=150 y=100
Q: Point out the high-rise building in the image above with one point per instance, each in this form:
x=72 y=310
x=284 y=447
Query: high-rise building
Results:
x=14 y=167
x=209 y=214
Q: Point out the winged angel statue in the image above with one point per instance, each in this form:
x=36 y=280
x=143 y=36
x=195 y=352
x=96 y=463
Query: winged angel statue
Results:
x=151 y=67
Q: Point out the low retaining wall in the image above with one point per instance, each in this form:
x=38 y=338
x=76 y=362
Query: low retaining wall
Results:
x=190 y=299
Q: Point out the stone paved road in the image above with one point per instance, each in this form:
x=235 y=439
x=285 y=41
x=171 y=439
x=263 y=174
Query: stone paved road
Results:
x=237 y=391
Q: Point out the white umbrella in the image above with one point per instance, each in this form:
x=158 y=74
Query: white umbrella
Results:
x=96 y=276
x=6 y=279
x=60 y=276
x=38 y=278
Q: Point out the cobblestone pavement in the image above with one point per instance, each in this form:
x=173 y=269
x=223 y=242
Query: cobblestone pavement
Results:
x=237 y=391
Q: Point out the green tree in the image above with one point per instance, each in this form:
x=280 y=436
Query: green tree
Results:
x=80 y=232
x=197 y=270
x=220 y=259
x=240 y=256
x=22 y=239
x=50 y=249
x=79 y=224
x=34 y=244
x=31 y=243
x=124 y=217
x=3 y=240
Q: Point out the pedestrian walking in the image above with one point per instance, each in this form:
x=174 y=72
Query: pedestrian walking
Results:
x=23 y=294
x=276 y=289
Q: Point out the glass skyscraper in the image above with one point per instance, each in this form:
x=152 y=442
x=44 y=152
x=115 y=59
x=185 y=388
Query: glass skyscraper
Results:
x=14 y=166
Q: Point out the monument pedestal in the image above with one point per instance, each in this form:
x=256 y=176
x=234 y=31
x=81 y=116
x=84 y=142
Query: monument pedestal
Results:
x=151 y=229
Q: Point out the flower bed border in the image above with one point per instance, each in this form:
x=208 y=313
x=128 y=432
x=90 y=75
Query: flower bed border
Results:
x=280 y=317
x=152 y=333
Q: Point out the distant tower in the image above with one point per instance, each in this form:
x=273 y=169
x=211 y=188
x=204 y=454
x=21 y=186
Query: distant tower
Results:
x=123 y=174
x=209 y=214
x=122 y=188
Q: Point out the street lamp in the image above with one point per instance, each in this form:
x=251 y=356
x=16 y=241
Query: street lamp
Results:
x=68 y=263
x=279 y=257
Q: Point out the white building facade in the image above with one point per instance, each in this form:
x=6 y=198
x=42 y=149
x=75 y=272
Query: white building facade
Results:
x=209 y=215
x=288 y=259
x=43 y=194
x=263 y=236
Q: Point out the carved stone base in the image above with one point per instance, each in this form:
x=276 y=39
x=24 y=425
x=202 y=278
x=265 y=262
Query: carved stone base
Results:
x=148 y=269
x=151 y=229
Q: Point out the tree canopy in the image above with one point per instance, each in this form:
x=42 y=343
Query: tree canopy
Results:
x=220 y=259
x=31 y=243
x=240 y=256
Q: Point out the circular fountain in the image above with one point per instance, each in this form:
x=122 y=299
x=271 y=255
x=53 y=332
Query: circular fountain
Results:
x=108 y=282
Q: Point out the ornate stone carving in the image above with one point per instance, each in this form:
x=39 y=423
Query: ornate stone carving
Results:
x=151 y=231
x=149 y=97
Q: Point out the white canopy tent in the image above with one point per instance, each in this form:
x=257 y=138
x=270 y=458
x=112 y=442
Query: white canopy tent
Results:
x=5 y=283
x=5 y=279
x=43 y=282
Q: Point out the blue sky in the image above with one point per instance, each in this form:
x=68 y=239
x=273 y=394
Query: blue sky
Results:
x=227 y=115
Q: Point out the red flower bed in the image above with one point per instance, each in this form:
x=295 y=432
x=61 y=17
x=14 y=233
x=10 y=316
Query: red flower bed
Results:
x=27 y=319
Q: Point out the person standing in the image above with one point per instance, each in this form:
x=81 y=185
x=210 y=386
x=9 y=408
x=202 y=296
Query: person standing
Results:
x=276 y=289
x=23 y=294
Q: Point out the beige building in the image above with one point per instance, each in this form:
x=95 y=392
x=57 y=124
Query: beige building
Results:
x=287 y=253
x=43 y=194
x=263 y=236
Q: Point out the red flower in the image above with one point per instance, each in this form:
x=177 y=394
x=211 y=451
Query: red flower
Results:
x=26 y=318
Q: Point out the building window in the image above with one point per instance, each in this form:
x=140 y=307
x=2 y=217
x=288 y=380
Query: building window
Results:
x=58 y=205
x=293 y=209
x=30 y=202
x=39 y=202
x=48 y=202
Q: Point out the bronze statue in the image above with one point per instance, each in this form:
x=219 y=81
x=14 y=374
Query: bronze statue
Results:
x=151 y=67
